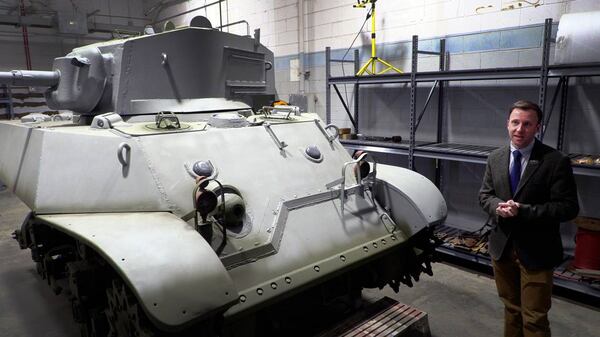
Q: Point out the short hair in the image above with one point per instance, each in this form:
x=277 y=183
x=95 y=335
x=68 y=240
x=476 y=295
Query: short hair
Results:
x=527 y=105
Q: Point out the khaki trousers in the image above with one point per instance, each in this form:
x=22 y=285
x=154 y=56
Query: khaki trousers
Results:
x=526 y=294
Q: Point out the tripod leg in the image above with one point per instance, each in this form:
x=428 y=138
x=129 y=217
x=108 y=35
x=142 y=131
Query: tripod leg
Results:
x=365 y=68
x=389 y=66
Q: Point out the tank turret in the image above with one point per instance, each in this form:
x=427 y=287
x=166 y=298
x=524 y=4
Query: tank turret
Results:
x=166 y=71
x=181 y=208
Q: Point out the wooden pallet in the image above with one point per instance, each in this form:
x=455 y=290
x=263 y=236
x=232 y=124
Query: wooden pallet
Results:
x=385 y=317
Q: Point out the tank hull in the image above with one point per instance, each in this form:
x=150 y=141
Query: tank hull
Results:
x=298 y=231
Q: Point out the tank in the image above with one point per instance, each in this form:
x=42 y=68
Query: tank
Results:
x=174 y=203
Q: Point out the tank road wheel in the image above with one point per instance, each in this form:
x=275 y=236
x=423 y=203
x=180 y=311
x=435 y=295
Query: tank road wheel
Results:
x=124 y=315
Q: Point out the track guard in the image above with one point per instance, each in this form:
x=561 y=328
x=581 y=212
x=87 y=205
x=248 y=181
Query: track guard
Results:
x=171 y=269
x=412 y=200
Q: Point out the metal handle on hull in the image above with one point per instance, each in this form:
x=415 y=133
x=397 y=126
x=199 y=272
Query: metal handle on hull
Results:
x=359 y=178
x=280 y=144
x=330 y=137
x=124 y=156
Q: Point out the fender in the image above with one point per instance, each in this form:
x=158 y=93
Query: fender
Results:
x=413 y=201
x=173 y=272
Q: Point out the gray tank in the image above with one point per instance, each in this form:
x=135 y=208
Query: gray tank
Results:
x=174 y=203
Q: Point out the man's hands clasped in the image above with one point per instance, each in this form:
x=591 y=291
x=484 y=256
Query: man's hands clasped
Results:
x=508 y=209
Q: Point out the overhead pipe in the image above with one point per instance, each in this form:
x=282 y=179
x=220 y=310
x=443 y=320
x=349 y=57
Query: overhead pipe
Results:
x=95 y=13
x=38 y=34
x=50 y=22
x=11 y=9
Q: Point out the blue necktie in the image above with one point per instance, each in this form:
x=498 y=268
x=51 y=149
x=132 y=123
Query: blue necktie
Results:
x=515 y=172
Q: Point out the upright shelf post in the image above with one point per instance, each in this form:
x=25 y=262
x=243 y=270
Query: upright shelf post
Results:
x=544 y=66
x=11 y=111
x=413 y=101
x=440 y=114
x=563 y=114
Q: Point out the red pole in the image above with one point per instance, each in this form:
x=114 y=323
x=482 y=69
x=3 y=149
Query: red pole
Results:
x=25 y=38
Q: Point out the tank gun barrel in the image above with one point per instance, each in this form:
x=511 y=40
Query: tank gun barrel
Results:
x=30 y=78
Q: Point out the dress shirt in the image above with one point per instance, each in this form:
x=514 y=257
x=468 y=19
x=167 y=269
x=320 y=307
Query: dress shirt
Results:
x=525 y=154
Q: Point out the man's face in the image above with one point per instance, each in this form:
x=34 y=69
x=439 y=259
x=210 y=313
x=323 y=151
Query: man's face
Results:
x=522 y=126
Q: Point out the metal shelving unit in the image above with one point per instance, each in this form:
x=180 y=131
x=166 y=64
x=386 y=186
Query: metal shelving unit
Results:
x=439 y=150
x=563 y=277
x=448 y=151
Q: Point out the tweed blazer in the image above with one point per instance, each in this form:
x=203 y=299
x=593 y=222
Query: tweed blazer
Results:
x=547 y=194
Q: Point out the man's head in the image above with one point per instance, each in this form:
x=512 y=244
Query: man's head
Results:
x=524 y=121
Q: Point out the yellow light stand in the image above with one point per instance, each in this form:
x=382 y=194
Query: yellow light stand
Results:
x=371 y=66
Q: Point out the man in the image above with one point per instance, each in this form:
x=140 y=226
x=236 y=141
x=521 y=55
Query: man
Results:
x=528 y=189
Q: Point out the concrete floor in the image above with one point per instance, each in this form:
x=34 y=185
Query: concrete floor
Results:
x=458 y=302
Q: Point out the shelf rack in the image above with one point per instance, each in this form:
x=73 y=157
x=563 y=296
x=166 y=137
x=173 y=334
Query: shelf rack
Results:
x=564 y=277
x=439 y=150
x=448 y=151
